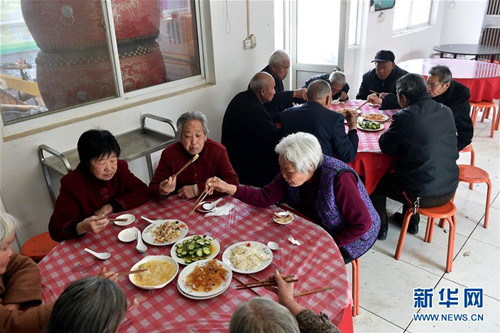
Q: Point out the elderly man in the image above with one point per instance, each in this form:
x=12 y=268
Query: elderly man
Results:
x=423 y=135
x=454 y=95
x=379 y=84
x=249 y=133
x=327 y=126
x=278 y=66
x=337 y=82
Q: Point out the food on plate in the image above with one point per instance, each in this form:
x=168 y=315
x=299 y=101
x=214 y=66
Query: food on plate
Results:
x=206 y=277
x=158 y=272
x=369 y=125
x=375 y=117
x=166 y=232
x=247 y=257
x=283 y=217
x=194 y=249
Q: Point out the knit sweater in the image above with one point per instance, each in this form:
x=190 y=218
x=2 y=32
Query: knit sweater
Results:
x=21 y=284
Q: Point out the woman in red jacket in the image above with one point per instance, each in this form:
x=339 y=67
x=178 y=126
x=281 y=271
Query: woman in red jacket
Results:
x=100 y=185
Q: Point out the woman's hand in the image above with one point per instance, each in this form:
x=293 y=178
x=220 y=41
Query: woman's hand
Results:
x=219 y=185
x=187 y=192
x=94 y=224
x=104 y=210
x=113 y=276
x=168 y=185
x=285 y=294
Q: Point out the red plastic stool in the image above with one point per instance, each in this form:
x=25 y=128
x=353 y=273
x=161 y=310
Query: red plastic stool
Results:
x=355 y=287
x=486 y=107
x=473 y=175
x=38 y=246
x=445 y=212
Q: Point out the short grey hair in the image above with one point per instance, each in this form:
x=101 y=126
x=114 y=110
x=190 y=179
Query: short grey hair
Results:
x=302 y=150
x=278 y=57
x=188 y=116
x=318 y=90
x=412 y=86
x=337 y=77
x=260 y=81
x=8 y=225
x=443 y=72
x=91 y=304
x=262 y=315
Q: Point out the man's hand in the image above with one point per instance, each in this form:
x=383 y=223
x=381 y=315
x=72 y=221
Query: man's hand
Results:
x=300 y=93
x=343 y=96
x=374 y=99
x=351 y=116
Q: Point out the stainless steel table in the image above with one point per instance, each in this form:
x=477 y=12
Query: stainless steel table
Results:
x=468 y=49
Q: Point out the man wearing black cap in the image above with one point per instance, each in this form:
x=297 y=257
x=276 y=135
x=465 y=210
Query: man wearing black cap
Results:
x=379 y=84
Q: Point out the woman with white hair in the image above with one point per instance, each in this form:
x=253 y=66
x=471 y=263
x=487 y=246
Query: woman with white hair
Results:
x=192 y=131
x=20 y=286
x=324 y=189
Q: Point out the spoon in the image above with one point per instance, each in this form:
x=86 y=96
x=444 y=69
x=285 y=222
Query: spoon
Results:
x=140 y=247
x=149 y=220
x=273 y=246
x=102 y=256
x=211 y=205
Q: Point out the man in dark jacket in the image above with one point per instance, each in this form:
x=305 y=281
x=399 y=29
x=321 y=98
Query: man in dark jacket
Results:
x=423 y=135
x=379 y=84
x=337 y=82
x=249 y=133
x=326 y=125
x=278 y=66
x=456 y=96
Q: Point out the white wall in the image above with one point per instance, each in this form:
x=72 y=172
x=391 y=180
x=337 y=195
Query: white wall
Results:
x=22 y=186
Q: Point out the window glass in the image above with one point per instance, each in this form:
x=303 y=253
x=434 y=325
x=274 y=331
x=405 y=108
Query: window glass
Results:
x=411 y=13
x=401 y=14
x=353 y=23
x=420 y=12
x=55 y=53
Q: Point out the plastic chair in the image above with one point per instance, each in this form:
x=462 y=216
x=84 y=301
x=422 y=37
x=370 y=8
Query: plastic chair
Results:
x=445 y=212
x=474 y=175
x=355 y=287
x=38 y=246
x=486 y=106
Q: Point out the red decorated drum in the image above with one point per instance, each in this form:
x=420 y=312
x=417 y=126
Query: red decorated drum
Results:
x=67 y=79
x=77 y=25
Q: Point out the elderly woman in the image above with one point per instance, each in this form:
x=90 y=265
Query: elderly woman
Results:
x=192 y=130
x=323 y=188
x=263 y=315
x=20 y=286
x=91 y=304
x=100 y=185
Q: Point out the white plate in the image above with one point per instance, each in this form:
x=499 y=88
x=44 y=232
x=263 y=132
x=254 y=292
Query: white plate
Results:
x=181 y=281
x=275 y=218
x=128 y=235
x=198 y=298
x=130 y=219
x=202 y=210
x=336 y=101
x=150 y=238
x=372 y=130
x=259 y=247
x=214 y=245
x=150 y=258
x=384 y=117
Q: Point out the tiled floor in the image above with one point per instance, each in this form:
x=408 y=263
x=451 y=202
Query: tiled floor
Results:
x=387 y=286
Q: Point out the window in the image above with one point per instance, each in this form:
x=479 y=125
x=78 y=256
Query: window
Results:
x=410 y=14
x=57 y=55
x=353 y=36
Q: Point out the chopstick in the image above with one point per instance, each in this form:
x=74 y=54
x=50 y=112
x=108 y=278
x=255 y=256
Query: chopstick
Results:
x=117 y=220
x=195 y=157
x=199 y=200
x=359 y=107
x=132 y=272
x=374 y=92
x=266 y=283
x=256 y=293
x=312 y=291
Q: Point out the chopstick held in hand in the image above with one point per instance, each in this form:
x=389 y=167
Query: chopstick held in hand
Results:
x=359 y=107
x=132 y=272
x=195 y=157
x=202 y=197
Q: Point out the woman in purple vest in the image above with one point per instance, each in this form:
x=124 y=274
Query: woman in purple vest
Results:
x=323 y=188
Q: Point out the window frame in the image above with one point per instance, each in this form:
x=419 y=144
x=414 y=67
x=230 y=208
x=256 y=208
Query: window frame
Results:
x=60 y=117
x=415 y=27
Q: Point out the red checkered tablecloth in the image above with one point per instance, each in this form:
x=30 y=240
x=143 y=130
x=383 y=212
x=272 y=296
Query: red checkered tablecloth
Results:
x=317 y=263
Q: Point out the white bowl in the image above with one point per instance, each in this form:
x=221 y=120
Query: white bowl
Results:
x=130 y=219
x=151 y=258
x=128 y=235
x=284 y=214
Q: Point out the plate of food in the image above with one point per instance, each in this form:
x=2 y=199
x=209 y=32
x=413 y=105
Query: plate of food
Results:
x=165 y=232
x=379 y=117
x=283 y=217
x=370 y=126
x=127 y=219
x=205 y=278
x=160 y=271
x=247 y=257
x=195 y=248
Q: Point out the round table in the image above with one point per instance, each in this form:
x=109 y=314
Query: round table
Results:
x=468 y=49
x=482 y=78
